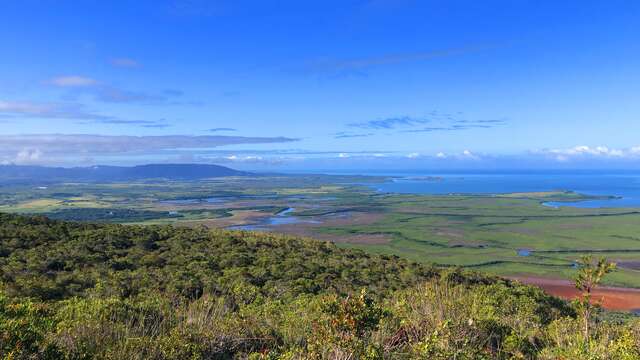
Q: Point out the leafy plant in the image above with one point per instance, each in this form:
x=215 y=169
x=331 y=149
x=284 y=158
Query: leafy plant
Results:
x=590 y=274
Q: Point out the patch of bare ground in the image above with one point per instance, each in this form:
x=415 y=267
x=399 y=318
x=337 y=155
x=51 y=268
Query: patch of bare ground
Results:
x=612 y=298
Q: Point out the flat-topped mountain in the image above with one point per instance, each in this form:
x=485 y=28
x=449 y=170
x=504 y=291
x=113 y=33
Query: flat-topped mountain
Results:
x=36 y=174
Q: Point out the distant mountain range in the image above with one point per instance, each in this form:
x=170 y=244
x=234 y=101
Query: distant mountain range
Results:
x=42 y=174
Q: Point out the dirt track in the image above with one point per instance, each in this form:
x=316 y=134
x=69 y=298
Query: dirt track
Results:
x=612 y=298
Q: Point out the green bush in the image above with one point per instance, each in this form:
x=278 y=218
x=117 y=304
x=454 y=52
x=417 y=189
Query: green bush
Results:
x=23 y=328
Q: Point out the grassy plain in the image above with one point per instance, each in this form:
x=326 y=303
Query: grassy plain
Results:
x=507 y=234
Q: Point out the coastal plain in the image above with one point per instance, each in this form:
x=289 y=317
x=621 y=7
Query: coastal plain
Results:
x=514 y=235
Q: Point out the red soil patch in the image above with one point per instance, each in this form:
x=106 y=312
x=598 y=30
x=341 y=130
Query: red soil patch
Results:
x=612 y=298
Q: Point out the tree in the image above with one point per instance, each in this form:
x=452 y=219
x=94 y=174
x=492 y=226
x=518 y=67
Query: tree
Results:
x=589 y=276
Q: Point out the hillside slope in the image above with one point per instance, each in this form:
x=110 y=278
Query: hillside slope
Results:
x=77 y=290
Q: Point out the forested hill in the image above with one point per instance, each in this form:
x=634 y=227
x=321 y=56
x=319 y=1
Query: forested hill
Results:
x=42 y=174
x=52 y=260
x=84 y=291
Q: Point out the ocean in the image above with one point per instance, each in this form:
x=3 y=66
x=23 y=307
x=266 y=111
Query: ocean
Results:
x=623 y=185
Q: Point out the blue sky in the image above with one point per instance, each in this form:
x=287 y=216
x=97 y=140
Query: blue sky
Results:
x=321 y=84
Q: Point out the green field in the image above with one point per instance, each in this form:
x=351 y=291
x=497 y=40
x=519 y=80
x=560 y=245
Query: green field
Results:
x=493 y=233
x=509 y=234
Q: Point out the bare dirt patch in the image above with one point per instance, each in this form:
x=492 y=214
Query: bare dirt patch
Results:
x=612 y=298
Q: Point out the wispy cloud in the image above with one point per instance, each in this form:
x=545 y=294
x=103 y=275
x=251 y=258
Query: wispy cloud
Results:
x=124 y=62
x=49 y=111
x=93 y=145
x=347 y=134
x=73 y=81
x=437 y=122
x=69 y=111
x=429 y=129
x=460 y=125
x=142 y=123
x=157 y=125
x=357 y=65
x=115 y=95
x=222 y=129
x=389 y=123
x=78 y=85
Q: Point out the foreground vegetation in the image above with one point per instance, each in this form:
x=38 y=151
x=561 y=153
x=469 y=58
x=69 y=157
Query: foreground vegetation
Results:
x=83 y=291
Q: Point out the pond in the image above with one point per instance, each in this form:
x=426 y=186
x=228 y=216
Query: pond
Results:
x=524 y=252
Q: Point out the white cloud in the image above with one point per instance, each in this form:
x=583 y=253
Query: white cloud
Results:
x=73 y=81
x=413 y=155
x=584 y=151
x=441 y=155
x=467 y=154
x=26 y=156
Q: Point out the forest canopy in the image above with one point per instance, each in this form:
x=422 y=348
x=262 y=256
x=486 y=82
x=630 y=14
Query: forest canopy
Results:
x=79 y=291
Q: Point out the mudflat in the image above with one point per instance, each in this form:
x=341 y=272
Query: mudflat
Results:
x=612 y=298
